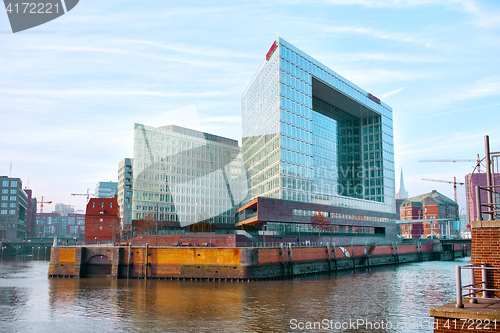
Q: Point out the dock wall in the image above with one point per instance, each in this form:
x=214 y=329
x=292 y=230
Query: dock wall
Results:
x=234 y=263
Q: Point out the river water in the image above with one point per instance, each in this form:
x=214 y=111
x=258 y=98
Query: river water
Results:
x=383 y=299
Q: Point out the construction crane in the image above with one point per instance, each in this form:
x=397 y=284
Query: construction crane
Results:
x=87 y=194
x=454 y=182
x=478 y=161
x=41 y=204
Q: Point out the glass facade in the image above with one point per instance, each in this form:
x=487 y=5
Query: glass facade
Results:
x=185 y=176
x=310 y=135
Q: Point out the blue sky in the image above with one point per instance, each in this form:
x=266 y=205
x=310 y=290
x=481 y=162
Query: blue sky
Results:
x=71 y=89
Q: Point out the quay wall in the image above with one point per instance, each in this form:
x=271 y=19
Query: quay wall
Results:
x=233 y=263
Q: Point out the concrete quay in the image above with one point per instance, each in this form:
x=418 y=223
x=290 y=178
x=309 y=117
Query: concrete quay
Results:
x=236 y=263
x=483 y=315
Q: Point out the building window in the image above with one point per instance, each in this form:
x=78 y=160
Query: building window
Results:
x=5 y=191
x=12 y=198
x=12 y=212
x=111 y=205
x=13 y=183
x=13 y=191
x=3 y=211
x=5 y=198
x=93 y=204
x=102 y=204
x=5 y=183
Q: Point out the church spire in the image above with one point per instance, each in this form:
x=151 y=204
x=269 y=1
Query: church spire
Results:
x=402 y=194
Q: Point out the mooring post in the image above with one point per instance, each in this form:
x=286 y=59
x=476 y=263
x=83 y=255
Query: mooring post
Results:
x=129 y=258
x=146 y=264
x=367 y=263
x=335 y=256
x=352 y=255
x=282 y=259
x=328 y=251
x=397 y=253
x=291 y=259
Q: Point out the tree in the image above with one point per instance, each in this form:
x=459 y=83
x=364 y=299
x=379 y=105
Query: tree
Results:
x=320 y=222
x=145 y=225
x=127 y=232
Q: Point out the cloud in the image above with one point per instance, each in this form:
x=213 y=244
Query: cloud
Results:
x=453 y=145
x=75 y=93
x=487 y=86
x=395 y=36
x=347 y=57
x=384 y=96
x=363 y=77
x=482 y=15
x=232 y=120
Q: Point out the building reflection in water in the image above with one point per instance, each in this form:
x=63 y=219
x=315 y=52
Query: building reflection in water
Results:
x=394 y=293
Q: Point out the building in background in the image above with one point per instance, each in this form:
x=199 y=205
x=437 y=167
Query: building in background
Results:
x=63 y=209
x=106 y=189
x=13 y=209
x=427 y=215
x=185 y=176
x=102 y=220
x=63 y=225
x=471 y=181
x=30 y=214
x=311 y=136
x=125 y=183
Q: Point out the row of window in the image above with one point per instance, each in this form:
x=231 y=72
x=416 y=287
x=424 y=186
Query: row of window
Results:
x=304 y=212
x=5 y=183
x=11 y=198
x=10 y=211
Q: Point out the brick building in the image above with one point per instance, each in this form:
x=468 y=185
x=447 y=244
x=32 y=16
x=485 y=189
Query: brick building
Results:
x=102 y=220
x=434 y=212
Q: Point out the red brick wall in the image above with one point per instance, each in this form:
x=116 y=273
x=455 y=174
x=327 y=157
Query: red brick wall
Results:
x=486 y=248
x=172 y=240
x=102 y=222
x=101 y=230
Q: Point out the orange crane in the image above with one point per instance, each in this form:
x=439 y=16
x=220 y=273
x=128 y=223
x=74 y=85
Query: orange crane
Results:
x=454 y=182
x=88 y=194
x=41 y=204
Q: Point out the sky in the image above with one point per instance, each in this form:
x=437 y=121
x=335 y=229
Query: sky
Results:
x=72 y=89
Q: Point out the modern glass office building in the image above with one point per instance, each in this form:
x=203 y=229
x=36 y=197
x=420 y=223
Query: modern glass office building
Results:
x=186 y=176
x=13 y=209
x=312 y=136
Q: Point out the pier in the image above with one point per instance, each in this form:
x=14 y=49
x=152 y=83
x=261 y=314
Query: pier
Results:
x=240 y=263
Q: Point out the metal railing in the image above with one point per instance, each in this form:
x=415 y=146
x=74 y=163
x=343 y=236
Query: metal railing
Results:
x=474 y=288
